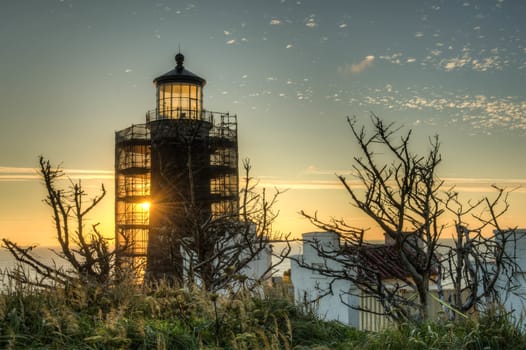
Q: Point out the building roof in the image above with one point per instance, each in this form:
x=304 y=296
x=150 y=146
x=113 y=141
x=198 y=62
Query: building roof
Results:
x=384 y=261
x=179 y=74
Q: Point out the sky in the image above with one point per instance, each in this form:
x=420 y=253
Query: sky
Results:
x=72 y=72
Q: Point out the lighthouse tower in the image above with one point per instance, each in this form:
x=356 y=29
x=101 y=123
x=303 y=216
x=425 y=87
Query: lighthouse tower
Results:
x=173 y=172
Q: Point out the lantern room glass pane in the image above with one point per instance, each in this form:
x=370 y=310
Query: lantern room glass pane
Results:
x=179 y=100
x=193 y=92
x=185 y=90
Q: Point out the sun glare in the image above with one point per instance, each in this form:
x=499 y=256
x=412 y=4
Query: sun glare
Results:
x=145 y=206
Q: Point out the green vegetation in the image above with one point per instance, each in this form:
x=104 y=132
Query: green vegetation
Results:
x=126 y=316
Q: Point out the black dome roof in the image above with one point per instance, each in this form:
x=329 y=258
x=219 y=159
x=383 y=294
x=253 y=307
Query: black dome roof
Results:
x=179 y=74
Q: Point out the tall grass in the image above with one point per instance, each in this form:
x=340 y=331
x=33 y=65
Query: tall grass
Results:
x=127 y=316
x=488 y=332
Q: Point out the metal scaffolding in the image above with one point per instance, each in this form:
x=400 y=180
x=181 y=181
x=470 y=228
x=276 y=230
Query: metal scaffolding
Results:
x=132 y=194
x=224 y=181
x=217 y=176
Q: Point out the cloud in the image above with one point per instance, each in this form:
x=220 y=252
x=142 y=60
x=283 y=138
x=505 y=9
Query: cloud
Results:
x=445 y=59
x=301 y=185
x=484 y=60
x=310 y=21
x=314 y=170
x=331 y=182
x=455 y=63
x=275 y=21
x=461 y=185
x=393 y=58
x=482 y=112
x=357 y=68
x=31 y=174
x=484 y=184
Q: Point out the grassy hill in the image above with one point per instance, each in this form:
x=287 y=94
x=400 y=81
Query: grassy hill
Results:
x=126 y=316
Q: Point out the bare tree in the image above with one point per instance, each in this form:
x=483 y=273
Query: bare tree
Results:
x=477 y=264
x=401 y=193
x=223 y=250
x=216 y=251
x=204 y=229
x=87 y=254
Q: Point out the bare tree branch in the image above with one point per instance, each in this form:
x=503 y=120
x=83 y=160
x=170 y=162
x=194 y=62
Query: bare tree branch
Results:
x=404 y=197
x=87 y=254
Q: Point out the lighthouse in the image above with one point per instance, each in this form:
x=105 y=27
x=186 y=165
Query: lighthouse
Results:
x=174 y=171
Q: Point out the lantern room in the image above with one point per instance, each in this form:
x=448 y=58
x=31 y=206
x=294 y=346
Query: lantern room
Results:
x=179 y=93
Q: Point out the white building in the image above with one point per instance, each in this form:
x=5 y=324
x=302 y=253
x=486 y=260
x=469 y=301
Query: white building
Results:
x=330 y=298
x=515 y=301
x=310 y=286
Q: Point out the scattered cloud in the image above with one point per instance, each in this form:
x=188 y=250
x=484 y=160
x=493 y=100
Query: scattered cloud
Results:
x=471 y=185
x=480 y=111
x=484 y=185
x=231 y=41
x=455 y=63
x=359 y=67
x=275 y=21
x=31 y=174
x=392 y=58
x=482 y=61
x=301 y=185
x=314 y=170
x=311 y=21
x=487 y=63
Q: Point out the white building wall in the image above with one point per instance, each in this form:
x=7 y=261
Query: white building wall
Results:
x=259 y=267
x=515 y=301
x=310 y=286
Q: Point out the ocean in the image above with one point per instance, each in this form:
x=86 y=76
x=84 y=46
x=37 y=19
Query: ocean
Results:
x=45 y=255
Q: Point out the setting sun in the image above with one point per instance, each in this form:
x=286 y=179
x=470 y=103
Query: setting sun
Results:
x=145 y=206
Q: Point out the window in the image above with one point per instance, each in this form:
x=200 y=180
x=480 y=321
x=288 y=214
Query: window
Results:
x=179 y=100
